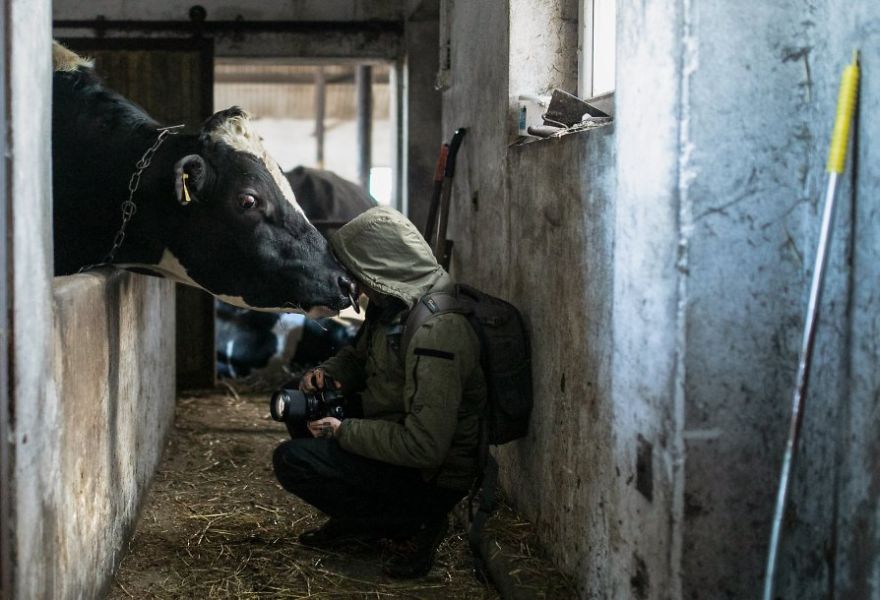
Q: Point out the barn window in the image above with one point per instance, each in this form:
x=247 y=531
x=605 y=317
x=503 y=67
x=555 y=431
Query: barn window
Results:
x=542 y=57
x=597 y=41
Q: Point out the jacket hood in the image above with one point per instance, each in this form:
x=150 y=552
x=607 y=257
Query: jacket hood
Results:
x=384 y=250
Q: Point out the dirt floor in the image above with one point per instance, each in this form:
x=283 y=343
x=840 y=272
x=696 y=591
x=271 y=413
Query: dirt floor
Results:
x=217 y=525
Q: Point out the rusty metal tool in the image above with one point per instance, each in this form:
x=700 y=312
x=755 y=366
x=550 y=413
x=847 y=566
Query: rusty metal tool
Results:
x=439 y=170
x=846 y=105
x=443 y=247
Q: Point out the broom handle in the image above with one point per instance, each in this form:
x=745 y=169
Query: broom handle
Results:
x=846 y=102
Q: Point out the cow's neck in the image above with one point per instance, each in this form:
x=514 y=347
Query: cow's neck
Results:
x=157 y=210
x=97 y=139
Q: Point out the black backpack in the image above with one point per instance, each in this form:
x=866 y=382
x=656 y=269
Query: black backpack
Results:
x=504 y=355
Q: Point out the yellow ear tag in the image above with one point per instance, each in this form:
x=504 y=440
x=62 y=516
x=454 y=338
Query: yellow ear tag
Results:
x=186 y=198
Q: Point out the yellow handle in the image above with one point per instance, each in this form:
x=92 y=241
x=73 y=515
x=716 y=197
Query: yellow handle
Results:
x=846 y=105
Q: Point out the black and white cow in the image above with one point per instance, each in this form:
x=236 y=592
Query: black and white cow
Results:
x=249 y=341
x=213 y=209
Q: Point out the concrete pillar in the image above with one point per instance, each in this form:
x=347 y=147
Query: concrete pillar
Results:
x=6 y=496
x=36 y=410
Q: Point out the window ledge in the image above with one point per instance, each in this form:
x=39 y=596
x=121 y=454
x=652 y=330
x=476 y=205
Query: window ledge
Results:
x=603 y=102
x=577 y=128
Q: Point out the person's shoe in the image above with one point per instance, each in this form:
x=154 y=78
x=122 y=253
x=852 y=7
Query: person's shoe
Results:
x=414 y=556
x=334 y=533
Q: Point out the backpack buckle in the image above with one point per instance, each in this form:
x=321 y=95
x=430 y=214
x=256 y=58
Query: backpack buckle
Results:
x=431 y=304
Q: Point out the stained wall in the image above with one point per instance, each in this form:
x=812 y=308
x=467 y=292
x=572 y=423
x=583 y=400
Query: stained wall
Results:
x=663 y=267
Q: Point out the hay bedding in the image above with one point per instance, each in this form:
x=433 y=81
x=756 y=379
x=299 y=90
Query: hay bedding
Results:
x=217 y=524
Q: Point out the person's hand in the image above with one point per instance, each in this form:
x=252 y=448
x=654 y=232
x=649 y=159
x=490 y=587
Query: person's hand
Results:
x=313 y=381
x=325 y=427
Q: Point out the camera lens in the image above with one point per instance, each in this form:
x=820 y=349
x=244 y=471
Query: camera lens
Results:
x=288 y=405
x=278 y=405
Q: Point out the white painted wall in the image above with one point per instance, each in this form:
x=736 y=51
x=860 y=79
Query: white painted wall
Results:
x=93 y=359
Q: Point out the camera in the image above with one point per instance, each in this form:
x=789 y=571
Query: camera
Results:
x=295 y=408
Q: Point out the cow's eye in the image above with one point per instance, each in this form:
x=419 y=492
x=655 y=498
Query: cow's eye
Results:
x=246 y=201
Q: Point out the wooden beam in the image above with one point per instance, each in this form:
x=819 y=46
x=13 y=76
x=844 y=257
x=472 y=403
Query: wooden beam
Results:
x=301 y=78
x=101 y=25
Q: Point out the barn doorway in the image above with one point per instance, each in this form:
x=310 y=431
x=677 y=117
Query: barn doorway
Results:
x=329 y=125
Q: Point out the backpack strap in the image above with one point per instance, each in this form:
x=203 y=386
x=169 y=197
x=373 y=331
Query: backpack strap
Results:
x=429 y=305
x=487 y=482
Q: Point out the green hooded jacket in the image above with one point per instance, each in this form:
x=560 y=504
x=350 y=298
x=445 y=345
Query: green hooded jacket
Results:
x=423 y=413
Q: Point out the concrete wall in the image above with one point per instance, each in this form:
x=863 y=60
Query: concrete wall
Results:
x=92 y=380
x=663 y=268
x=559 y=260
x=114 y=371
x=749 y=190
x=646 y=392
x=534 y=224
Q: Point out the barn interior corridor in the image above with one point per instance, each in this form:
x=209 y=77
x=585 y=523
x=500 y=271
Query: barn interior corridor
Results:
x=676 y=200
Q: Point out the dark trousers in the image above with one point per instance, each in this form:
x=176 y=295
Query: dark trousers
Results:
x=379 y=498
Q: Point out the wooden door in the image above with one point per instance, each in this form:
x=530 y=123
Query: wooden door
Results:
x=173 y=81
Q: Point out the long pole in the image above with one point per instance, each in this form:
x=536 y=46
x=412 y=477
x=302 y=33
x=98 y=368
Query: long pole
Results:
x=364 y=85
x=846 y=102
x=320 y=115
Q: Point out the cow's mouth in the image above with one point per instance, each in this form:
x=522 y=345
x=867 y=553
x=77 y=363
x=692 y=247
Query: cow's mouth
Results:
x=349 y=292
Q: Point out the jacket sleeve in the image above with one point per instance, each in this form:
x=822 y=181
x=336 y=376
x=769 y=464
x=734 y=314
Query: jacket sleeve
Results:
x=438 y=361
x=347 y=365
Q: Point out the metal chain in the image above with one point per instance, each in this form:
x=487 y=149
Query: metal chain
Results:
x=128 y=207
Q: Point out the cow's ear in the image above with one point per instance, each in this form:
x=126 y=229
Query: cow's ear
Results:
x=190 y=177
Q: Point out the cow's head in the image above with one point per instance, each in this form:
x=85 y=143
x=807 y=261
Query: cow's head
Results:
x=239 y=232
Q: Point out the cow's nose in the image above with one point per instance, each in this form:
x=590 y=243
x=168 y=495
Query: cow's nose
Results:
x=349 y=288
x=346 y=284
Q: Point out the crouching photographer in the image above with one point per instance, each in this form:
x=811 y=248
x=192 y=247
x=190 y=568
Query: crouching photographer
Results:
x=398 y=467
